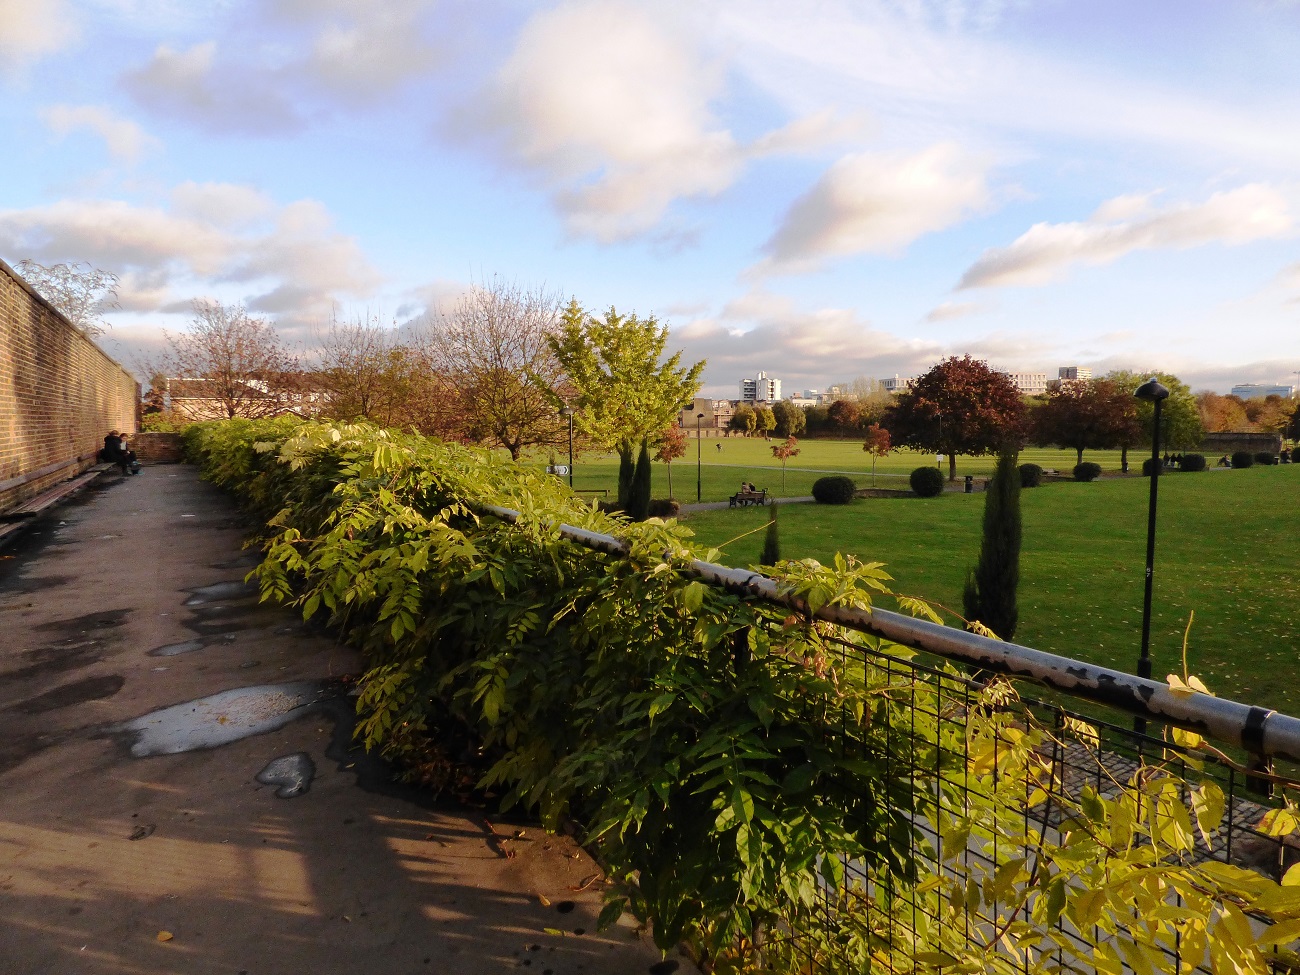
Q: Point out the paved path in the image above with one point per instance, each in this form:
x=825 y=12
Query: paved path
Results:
x=101 y=852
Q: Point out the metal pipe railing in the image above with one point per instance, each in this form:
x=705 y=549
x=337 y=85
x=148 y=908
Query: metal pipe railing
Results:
x=1260 y=731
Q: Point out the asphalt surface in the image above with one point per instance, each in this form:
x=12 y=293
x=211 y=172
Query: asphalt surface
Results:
x=185 y=862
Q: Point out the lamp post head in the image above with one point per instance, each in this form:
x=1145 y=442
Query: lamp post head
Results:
x=699 y=416
x=1152 y=391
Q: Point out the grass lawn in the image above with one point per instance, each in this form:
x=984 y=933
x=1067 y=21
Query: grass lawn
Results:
x=750 y=459
x=1226 y=548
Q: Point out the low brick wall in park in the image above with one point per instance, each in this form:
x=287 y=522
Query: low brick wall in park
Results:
x=60 y=394
x=157 y=448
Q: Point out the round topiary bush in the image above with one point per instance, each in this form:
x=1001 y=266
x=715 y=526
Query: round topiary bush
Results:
x=1194 y=462
x=836 y=489
x=927 y=481
x=1031 y=475
x=1146 y=467
x=1242 y=458
x=1087 y=471
x=1264 y=458
x=664 y=508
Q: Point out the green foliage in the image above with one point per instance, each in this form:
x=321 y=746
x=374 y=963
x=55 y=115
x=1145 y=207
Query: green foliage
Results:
x=1266 y=458
x=1180 y=420
x=1031 y=475
x=927 y=482
x=743 y=420
x=991 y=587
x=1087 y=471
x=771 y=540
x=726 y=758
x=1194 y=462
x=1243 y=458
x=790 y=419
x=833 y=489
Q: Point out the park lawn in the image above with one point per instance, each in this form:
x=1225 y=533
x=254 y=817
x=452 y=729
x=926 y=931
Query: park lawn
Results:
x=1225 y=549
x=750 y=459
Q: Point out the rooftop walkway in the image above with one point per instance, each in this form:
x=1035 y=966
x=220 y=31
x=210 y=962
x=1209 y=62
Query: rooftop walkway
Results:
x=185 y=862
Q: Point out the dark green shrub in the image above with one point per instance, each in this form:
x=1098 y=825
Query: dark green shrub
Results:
x=1031 y=475
x=1146 y=467
x=1265 y=458
x=1194 y=462
x=1087 y=471
x=638 y=497
x=927 y=481
x=835 y=489
x=771 y=541
x=664 y=508
x=1242 y=458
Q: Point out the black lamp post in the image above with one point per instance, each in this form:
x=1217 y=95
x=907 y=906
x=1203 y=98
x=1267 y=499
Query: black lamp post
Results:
x=699 y=469
x=1153 y=392
x=568 y=412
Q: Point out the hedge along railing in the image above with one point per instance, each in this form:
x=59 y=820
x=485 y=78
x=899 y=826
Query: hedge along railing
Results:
x=787 y=792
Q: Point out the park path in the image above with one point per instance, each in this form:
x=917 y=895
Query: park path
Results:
x=185 y=862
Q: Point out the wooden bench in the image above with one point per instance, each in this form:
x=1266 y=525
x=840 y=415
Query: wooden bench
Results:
x=13 y=520
x=744 y=498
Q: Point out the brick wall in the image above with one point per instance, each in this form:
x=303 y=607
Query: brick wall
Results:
x=59 y=394
x=157 y=448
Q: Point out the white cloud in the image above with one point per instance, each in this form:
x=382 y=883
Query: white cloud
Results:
x=612 y=108
x=30 y=30
x=291 y=257
x=365 y=50
x=125 y=139
x=190 y=85
x=878 y=203
x=225 y=205
x=949 y=310
x=1045 y=251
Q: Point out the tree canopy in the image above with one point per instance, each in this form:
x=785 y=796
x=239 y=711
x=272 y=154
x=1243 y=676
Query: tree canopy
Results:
x=79 y=291
x=1096 y=415
x=961 y=406
x=1180 y=420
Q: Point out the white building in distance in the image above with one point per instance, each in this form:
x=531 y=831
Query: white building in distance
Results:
x=760 y=389
x=897 y=385
x=1029 y=383
x=1260 y=390
x=1074 y=373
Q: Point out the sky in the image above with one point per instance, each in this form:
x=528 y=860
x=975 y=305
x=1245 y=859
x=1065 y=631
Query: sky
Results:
x=820 y=190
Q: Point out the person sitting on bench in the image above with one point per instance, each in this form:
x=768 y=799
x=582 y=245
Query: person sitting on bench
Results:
x=116 y=452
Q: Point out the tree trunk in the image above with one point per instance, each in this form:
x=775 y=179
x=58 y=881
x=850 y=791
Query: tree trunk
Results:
x=952 y=467
x=669 y=465
x=1123 y=459
x=1079 y=455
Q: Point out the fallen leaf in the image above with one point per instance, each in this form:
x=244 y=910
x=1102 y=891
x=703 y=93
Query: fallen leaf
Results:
x=546 y=901
x=555 y=931
x=140 y=832
x=165 y=936
x=348 y=919
x=584 y=884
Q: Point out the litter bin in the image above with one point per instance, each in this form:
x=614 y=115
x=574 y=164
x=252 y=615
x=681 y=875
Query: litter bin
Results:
x=970 y=484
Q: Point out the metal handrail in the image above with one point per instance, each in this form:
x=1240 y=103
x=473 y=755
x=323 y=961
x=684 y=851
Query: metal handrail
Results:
x=1260 y=731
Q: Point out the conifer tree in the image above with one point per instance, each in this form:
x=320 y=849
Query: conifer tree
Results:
x=990 y=593
x=771 y=541
x=638 y=498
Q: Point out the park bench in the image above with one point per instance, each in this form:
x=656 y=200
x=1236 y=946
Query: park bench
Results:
x=15 y=519
x=743 y=498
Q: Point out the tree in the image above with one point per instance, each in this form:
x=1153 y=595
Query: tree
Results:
x=771 y=553
x=816 y=420
x=877 y=445
x=638 y=497
x=844 y=417
x=990 y=593
x=623 y=393
x=82 y=293
x=790 y=419
x=672 y=444
x=1095 y=415
x=1221 y=414
x=1269 y=414
x=764 y=420
x=871 y=398
x=1179 y=420
x=365 y=372
x=783 y=452
x=743 y=420
x=243 y=366
x=497 y=346
x=960 y=406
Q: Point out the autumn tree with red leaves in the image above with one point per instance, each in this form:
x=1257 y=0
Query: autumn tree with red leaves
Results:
x=1097 y=415
x=961 y=406
x=672 y=444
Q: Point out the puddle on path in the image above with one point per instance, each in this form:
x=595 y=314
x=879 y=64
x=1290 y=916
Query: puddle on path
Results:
x=78 y=692
x=292 y=773
x=191 y=646
x=234 y=589
x=221 y=718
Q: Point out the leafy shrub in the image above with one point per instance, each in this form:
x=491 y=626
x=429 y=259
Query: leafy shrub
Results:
x=1242 y=458
x=1265 y=458
x=835 y=489
x=1194 y=462
x=1031 y=475
x=927 y=481
x=1147 y=465
x=664 y=508
x=1087 y=471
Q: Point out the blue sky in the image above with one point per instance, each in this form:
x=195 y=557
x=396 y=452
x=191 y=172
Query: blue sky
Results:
x=821 y=190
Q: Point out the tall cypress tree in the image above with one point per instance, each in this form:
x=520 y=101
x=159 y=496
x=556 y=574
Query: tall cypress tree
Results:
x=990 y=593
x=771 y=541
x=638 y=497
x=626 y=472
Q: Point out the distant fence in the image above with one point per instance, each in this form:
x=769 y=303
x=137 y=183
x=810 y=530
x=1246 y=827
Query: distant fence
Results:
x=59 y=394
